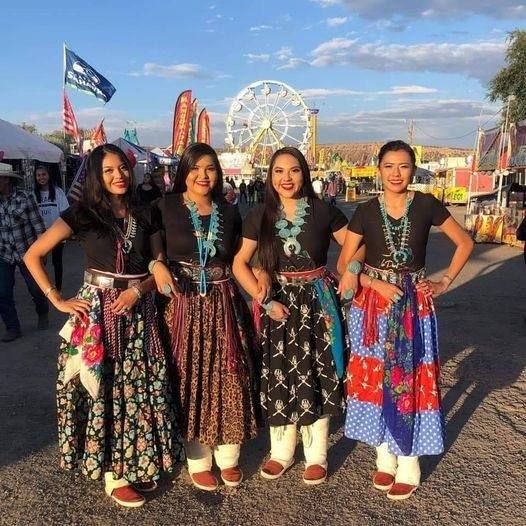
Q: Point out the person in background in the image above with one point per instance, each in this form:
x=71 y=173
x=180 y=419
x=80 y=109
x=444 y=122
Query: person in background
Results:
x=317 y=185
x=148 y=191
x=52 y=202
x=242 y=192
x=251 y=191
x=332 y=191
x=20 y=225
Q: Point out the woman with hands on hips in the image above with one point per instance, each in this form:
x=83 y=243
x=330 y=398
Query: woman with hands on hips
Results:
x=393 y=397
x=114 y=414
x=300 y=324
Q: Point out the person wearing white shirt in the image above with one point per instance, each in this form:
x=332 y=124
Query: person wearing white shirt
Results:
x=51 y=202
x=318 y=187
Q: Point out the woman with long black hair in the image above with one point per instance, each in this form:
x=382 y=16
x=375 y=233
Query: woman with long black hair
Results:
x=52 y=202
x=115 y=418
x=300 y=325
x=393 y=395
x=207 y=323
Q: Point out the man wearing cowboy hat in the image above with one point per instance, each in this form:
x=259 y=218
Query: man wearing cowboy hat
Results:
x=20 y=225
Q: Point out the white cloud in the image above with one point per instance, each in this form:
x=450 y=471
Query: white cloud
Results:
x=437 y=121
x=261 y=57
x=151 y=69
x=284 y=53
x=262 y=27
x=377 y=9
x=319 y=93
x=293 y=63
x=479 y=60
x=336 y=21
x=327 y=3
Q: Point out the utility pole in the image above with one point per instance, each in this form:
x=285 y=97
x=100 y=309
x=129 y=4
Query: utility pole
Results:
x=410 y=131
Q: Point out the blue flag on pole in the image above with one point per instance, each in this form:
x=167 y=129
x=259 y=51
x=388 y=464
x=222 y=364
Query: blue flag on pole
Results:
x=80 y=75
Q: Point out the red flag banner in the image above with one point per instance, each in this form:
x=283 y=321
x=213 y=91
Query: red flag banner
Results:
x=70 y=122
x=181 y=124
x=99 y=135
x=203 y=127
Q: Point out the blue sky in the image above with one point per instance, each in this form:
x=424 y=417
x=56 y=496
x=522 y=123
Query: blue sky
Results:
x=368 y=66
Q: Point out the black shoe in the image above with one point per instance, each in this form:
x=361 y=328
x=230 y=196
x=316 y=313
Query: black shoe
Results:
x=9 y=336
x=43 y=322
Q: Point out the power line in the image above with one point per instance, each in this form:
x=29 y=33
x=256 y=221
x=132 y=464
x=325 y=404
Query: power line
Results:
x=454 y=138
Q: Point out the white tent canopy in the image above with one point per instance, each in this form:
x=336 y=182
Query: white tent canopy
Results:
x=17 y=143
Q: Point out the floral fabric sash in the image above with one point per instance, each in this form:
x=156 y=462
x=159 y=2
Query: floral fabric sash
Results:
x=85 y=346
x=404 y=350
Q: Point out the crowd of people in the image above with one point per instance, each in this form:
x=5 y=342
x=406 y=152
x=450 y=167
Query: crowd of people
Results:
x=161 y=358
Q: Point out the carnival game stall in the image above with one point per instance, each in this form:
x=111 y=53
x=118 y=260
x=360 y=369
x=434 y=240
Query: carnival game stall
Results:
x=489 y=222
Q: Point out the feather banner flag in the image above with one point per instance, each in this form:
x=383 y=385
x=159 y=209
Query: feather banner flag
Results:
x=70 y=122
x=80 y=75
x=181 y=123
x=203 y=127
x=192 y=132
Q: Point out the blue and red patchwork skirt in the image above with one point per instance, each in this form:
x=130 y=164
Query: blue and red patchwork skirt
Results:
x=391 y=398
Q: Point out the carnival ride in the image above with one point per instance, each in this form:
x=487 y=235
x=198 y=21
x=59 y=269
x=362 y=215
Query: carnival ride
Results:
x=265 y=116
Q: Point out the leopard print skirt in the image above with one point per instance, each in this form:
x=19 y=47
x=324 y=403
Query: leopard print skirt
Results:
x=213 y=363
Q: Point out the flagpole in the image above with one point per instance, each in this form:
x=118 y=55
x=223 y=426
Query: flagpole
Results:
x=63 y=98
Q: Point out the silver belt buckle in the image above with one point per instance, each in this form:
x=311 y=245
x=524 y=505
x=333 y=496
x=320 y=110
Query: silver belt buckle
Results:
x=134 y=282
x=88 y=277
x=105 y=282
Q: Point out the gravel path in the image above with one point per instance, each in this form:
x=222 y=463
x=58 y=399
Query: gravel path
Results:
x=479 y=480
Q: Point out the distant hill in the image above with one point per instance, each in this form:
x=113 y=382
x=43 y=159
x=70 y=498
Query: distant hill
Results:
x=360 y=153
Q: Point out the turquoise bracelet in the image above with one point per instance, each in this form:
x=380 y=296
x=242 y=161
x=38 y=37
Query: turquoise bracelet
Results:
x=267 y=307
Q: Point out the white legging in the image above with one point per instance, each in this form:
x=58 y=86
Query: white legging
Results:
x=199 y=456
x=314 y=437
x=405 y=469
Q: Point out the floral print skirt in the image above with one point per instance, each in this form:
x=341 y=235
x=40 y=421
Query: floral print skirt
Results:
x=126 y=426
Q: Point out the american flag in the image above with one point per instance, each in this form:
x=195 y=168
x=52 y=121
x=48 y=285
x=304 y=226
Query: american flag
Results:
x=70 y=123
x=75 y=190
x=99 y=135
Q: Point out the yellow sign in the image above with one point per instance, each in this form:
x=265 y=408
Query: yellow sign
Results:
x=419 y=152
x=364 y=171
x=456 y=194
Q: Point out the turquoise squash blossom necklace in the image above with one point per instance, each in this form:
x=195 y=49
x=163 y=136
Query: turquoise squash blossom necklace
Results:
x=288 y=234
x=402 y=254
x=205 y=241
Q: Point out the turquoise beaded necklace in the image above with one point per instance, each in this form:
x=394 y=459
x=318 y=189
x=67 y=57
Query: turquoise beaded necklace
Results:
x=403 y=253
x=205 y=241
x=288 y=234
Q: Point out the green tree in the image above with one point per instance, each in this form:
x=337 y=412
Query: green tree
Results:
x=510 y=81
x=31 y=128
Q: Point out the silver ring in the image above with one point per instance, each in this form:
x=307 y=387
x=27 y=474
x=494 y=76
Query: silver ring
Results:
x=166 y=289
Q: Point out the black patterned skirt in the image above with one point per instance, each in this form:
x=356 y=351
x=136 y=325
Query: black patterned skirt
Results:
x=301 y=377
x=115 y=411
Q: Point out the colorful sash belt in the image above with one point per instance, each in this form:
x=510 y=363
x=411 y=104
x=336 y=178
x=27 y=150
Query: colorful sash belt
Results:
x=323 y=283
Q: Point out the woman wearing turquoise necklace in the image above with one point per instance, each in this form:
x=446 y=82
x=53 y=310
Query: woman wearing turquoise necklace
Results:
x=393 y=397
x=300 y=325
x=207 y=323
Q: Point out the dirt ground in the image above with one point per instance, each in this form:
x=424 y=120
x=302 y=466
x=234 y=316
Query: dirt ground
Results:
x=478 y=480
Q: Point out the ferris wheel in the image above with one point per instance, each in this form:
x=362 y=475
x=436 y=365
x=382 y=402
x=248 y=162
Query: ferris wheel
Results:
x=265 y=116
